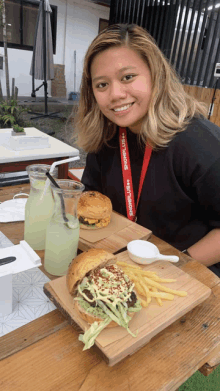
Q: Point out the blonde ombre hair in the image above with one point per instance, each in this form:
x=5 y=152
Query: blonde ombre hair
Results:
x=170 y=108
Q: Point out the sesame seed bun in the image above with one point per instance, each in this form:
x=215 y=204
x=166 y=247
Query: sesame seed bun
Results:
x=83 y=264
x=94 y=210
x=79 y=267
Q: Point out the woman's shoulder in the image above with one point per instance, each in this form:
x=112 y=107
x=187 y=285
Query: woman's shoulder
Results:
x=199 y=129
x=200 y=134
x=196 y=146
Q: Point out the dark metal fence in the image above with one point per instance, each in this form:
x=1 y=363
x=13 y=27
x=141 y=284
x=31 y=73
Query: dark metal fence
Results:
x=187 y=32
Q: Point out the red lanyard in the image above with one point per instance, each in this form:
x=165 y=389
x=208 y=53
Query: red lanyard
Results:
x=127 y=177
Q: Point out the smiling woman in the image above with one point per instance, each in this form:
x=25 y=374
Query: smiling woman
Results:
x=167 y=112
x=121 y=83
x=150 y=148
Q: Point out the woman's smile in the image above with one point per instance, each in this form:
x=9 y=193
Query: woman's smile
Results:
x=122 y=109
x=121 y=84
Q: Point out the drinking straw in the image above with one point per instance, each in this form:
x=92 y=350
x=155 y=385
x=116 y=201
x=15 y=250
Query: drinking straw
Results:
x=52 y=180
x=47 y=183
x=61 y=197
x=71 y=159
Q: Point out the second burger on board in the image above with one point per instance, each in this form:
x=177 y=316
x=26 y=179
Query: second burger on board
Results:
x=94 y=210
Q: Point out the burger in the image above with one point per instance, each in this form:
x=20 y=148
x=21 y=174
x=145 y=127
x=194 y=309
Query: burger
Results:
x=94 y=210
x=103 y=294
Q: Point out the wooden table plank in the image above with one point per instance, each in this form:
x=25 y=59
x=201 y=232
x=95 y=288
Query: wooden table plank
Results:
x=196 y=270
x=31 y=333
x=164 y=363
x=215 y=358
x=57 y=363
x=201 y=273
x=212 y=363
x=7 y=192
x=211 y=280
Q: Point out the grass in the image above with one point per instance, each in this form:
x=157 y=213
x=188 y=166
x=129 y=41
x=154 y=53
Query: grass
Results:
x=199 y=382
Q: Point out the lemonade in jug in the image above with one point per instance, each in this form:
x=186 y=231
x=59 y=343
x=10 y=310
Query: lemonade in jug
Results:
x=39 y=207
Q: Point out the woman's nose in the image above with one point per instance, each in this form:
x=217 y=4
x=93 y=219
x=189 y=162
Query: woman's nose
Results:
x=117 y=91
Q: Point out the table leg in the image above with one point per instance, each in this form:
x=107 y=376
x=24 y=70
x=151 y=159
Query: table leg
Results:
x=63 y=171
x=206 y=369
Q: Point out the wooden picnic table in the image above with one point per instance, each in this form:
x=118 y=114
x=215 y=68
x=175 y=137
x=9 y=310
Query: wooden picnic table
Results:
x=46 y=355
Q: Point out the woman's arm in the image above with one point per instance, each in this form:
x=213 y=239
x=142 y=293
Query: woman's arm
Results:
x=207 y=249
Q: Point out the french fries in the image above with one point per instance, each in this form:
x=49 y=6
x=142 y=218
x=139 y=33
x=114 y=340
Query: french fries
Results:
x=158 y=299
x=147 y=285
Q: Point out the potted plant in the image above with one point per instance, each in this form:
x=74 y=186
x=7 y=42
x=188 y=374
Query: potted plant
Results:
x=10 y=113
x=17 y=130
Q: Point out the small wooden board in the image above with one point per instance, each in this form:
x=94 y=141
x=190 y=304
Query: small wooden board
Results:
x=113 y=238
x=115 y=344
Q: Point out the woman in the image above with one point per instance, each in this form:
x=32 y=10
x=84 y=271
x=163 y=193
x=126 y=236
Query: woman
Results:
x=133 y=108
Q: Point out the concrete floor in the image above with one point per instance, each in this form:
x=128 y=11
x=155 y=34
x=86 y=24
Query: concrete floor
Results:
x=37 y=100
x=53 y=103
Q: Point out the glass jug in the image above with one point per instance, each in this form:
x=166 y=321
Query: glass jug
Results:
x=62 y=234
x=39 y=207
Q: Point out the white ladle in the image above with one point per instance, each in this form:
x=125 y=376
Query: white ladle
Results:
x=144 y=253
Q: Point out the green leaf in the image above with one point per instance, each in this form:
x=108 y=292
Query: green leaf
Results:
x=8 y=118
x=88 y=338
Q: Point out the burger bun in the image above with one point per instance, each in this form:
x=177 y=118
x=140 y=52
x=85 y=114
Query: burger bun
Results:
x=84 y=263
x=94 y=210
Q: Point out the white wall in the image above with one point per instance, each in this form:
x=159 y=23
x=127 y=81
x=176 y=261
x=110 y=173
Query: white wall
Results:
x=19 y=62
x=82 y=23
x=77 y=26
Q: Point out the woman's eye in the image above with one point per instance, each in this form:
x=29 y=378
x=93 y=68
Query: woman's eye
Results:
x=101 y=85
x=128 y=77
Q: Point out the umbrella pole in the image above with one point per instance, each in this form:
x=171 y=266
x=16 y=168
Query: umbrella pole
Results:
x=44 y=57
x=45 y=98
x=46 y=114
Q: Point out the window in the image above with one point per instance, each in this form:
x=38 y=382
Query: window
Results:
x=103 y=23
x=21 y=18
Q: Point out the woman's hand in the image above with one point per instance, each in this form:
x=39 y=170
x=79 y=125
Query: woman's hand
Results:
x=207 y=249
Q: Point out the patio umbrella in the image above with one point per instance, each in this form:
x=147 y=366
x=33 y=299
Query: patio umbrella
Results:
x=42 y=66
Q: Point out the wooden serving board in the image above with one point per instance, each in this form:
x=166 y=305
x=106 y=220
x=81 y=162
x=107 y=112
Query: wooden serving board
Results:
x=115 y=344
x=115 y=236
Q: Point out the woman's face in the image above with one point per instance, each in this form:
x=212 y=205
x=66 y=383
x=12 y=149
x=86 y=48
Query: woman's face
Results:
x=121 y=83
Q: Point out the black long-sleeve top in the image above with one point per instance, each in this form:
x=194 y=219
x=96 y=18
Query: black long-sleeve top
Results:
x=180 y=199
